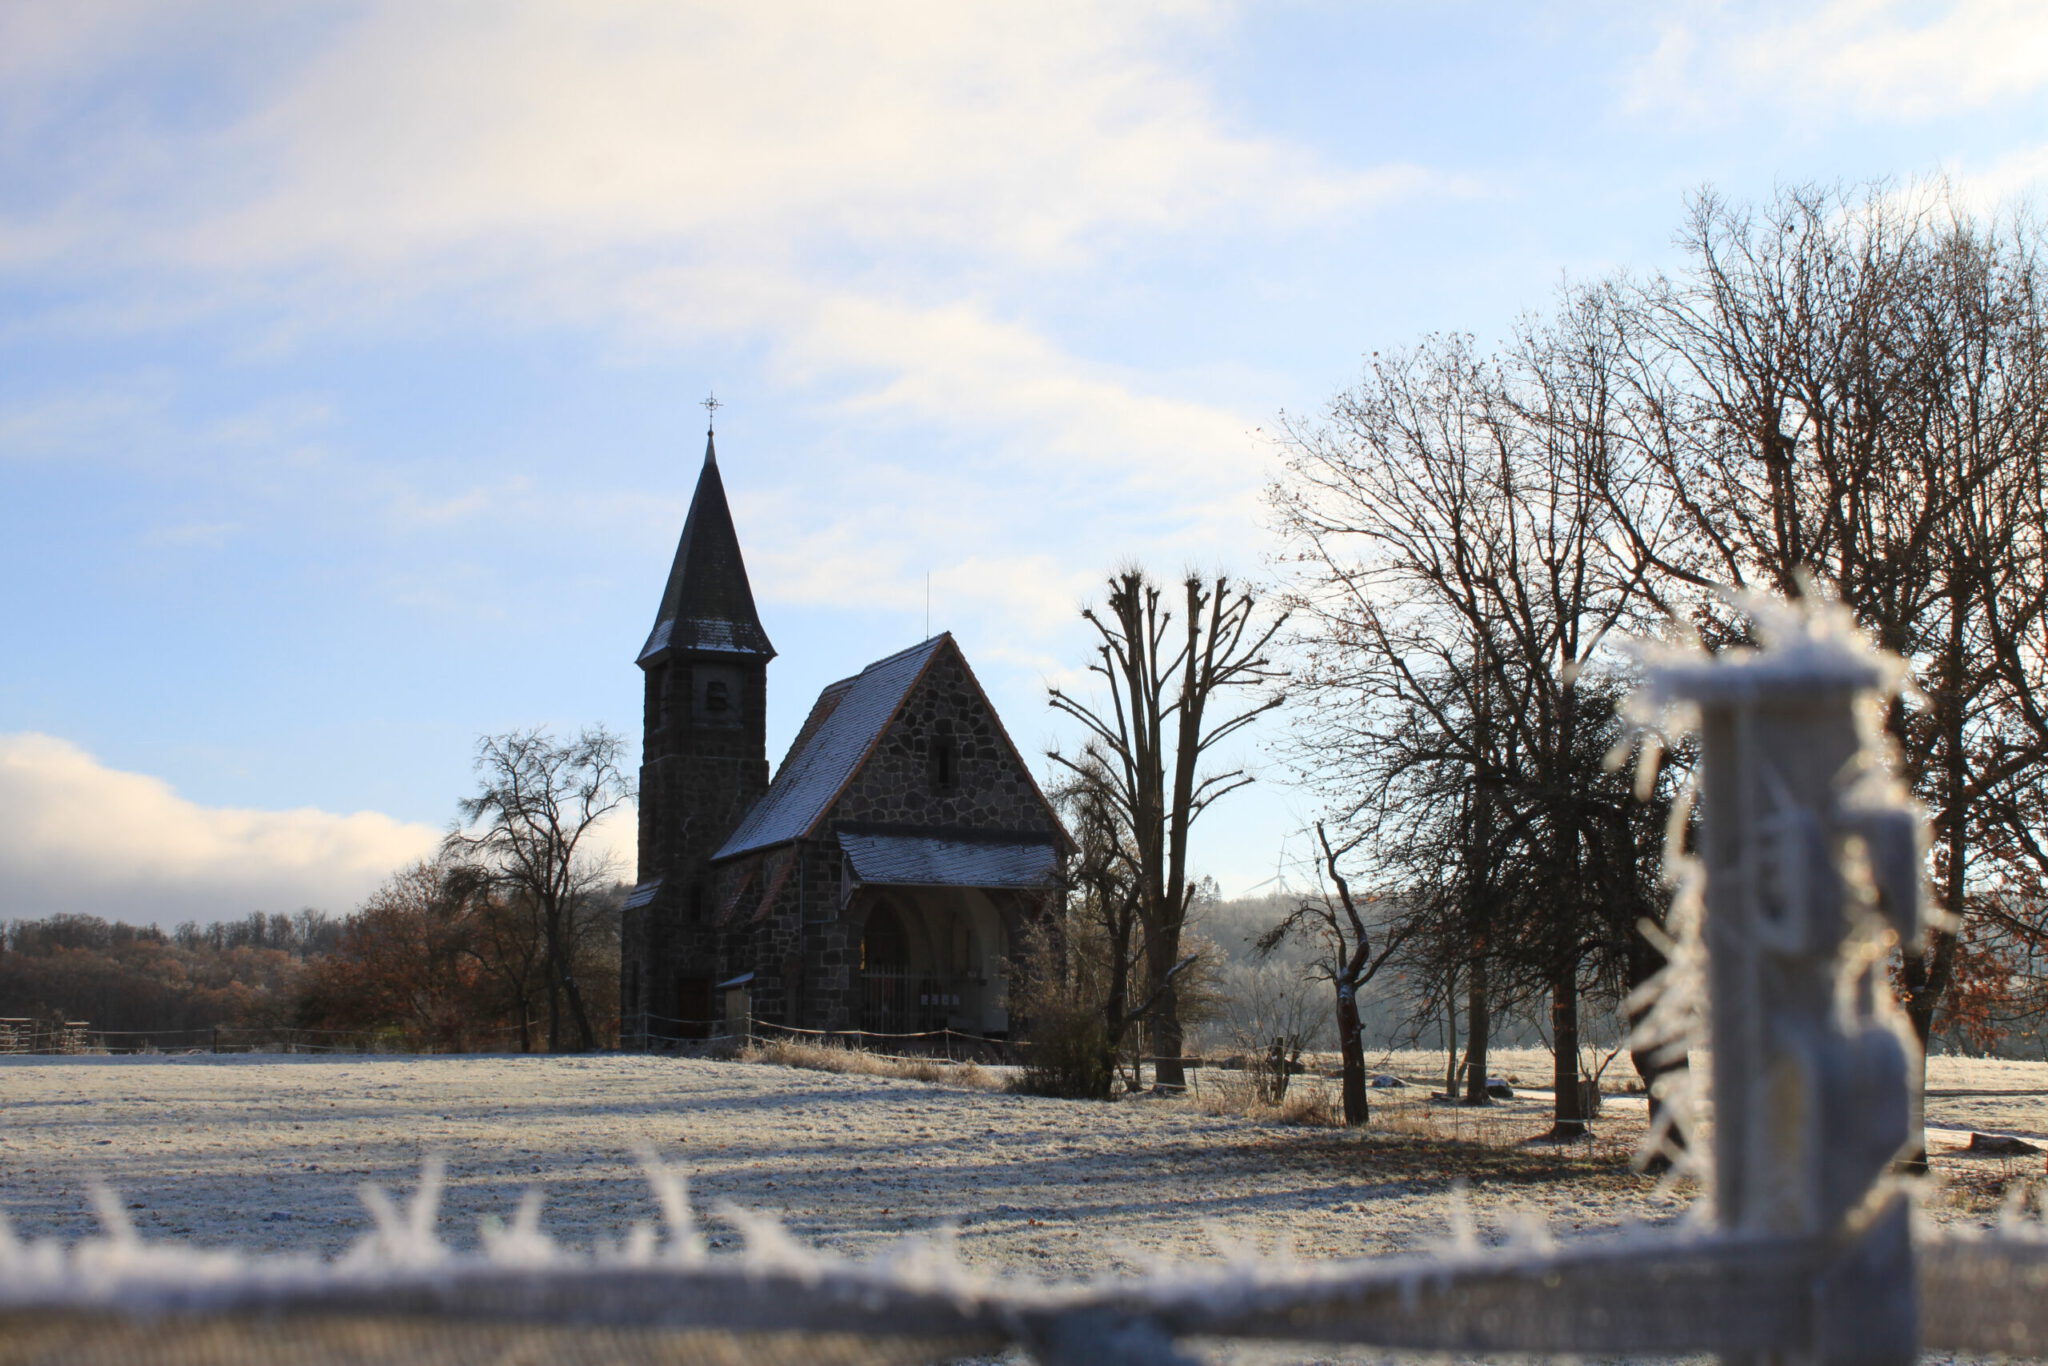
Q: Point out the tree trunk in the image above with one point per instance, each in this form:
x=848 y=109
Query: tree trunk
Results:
x=1117 y=1002
x=1168 y=1074
x=1451 y=1034
x=1478 y=1024
x=1351 y=1044
x=1568 y=1117
x=1925 y=978
x=551 y=930
x=586 y=1037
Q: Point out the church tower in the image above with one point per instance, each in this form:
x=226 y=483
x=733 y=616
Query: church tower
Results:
x=703 y=763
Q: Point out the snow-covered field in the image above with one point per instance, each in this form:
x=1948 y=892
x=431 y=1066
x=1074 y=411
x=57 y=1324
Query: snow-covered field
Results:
x=267 y=1152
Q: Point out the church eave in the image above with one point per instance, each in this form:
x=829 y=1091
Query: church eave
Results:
x=710 y=640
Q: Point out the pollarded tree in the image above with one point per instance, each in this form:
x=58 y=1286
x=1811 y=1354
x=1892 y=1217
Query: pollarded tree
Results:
x=529 y=828
x=1176 y=692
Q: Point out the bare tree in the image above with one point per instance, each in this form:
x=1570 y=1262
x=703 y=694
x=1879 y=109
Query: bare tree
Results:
x=1146 y=747
x=1846 y=390
x=1334 y=923
x=528 y=826
x=1461 y=581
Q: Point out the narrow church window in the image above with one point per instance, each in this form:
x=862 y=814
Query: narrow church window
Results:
x=657 y=696
x=945 y=758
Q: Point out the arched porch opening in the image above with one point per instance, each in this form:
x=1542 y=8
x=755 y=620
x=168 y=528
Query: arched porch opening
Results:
x=934 y=958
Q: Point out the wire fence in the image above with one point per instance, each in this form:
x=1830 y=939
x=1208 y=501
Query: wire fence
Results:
x=79 y=1037
x=666 y=1033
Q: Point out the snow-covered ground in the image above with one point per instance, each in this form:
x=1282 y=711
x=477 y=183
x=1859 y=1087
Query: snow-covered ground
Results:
x=267 y=1152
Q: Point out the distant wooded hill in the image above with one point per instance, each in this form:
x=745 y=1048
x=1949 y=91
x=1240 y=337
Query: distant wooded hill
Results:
x=140 y=977
x=428 y=964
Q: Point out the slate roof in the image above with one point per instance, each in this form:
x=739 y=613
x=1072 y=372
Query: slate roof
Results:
x=642 y=895
x=938 y=861
x=708 y=604
x=844 y=725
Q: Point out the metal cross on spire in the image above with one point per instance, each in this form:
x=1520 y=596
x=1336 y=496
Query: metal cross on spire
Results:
x=711 y=406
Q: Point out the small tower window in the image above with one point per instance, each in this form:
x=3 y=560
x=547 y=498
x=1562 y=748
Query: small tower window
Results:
x=945 y=758
x=718 y=699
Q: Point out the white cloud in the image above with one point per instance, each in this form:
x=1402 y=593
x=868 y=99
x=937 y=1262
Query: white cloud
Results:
x=837 y=185
x=1058 y=465
x=60 y=424
x=1874 y=58
x=412 y=131
x=76 y=835
x=2009 y=180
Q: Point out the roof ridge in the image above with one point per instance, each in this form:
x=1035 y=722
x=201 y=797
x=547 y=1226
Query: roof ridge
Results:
x=905 y=653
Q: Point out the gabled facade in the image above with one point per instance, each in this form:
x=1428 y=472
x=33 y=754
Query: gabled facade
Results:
x=881 y=882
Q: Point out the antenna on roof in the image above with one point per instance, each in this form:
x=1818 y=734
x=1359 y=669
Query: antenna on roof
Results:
x=711 y=405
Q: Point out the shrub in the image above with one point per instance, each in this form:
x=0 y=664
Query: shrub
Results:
x=1067 y=1054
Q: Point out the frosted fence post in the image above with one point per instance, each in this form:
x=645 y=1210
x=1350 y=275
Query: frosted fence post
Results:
x=1812 y=859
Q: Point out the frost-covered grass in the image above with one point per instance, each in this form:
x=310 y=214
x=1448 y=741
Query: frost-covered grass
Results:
x=268 y=1153
x=818 y=1057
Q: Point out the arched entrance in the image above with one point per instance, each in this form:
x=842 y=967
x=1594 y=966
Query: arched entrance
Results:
x=932 y=959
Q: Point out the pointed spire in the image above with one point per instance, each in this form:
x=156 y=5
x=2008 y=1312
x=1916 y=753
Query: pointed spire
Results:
x=708 y=605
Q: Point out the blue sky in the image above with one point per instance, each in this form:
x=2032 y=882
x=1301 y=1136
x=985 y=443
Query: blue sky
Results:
x=350 y=353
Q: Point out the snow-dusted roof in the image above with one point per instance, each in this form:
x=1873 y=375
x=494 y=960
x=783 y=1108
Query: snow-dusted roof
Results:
x=856 y=712
x=708 y=604
x=693 y=633
x=935 y=861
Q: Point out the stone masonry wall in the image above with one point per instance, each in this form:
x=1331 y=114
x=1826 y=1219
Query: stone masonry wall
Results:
x=696 y=783
x=991 y=791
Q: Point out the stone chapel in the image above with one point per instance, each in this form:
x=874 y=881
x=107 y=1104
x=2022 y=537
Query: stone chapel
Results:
x=880 y=881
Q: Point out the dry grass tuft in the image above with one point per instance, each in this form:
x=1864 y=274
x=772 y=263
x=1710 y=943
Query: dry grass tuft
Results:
x=860 y=1063
x=1312 y=1106
x=1989 y=1188
x=1306 y=1103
